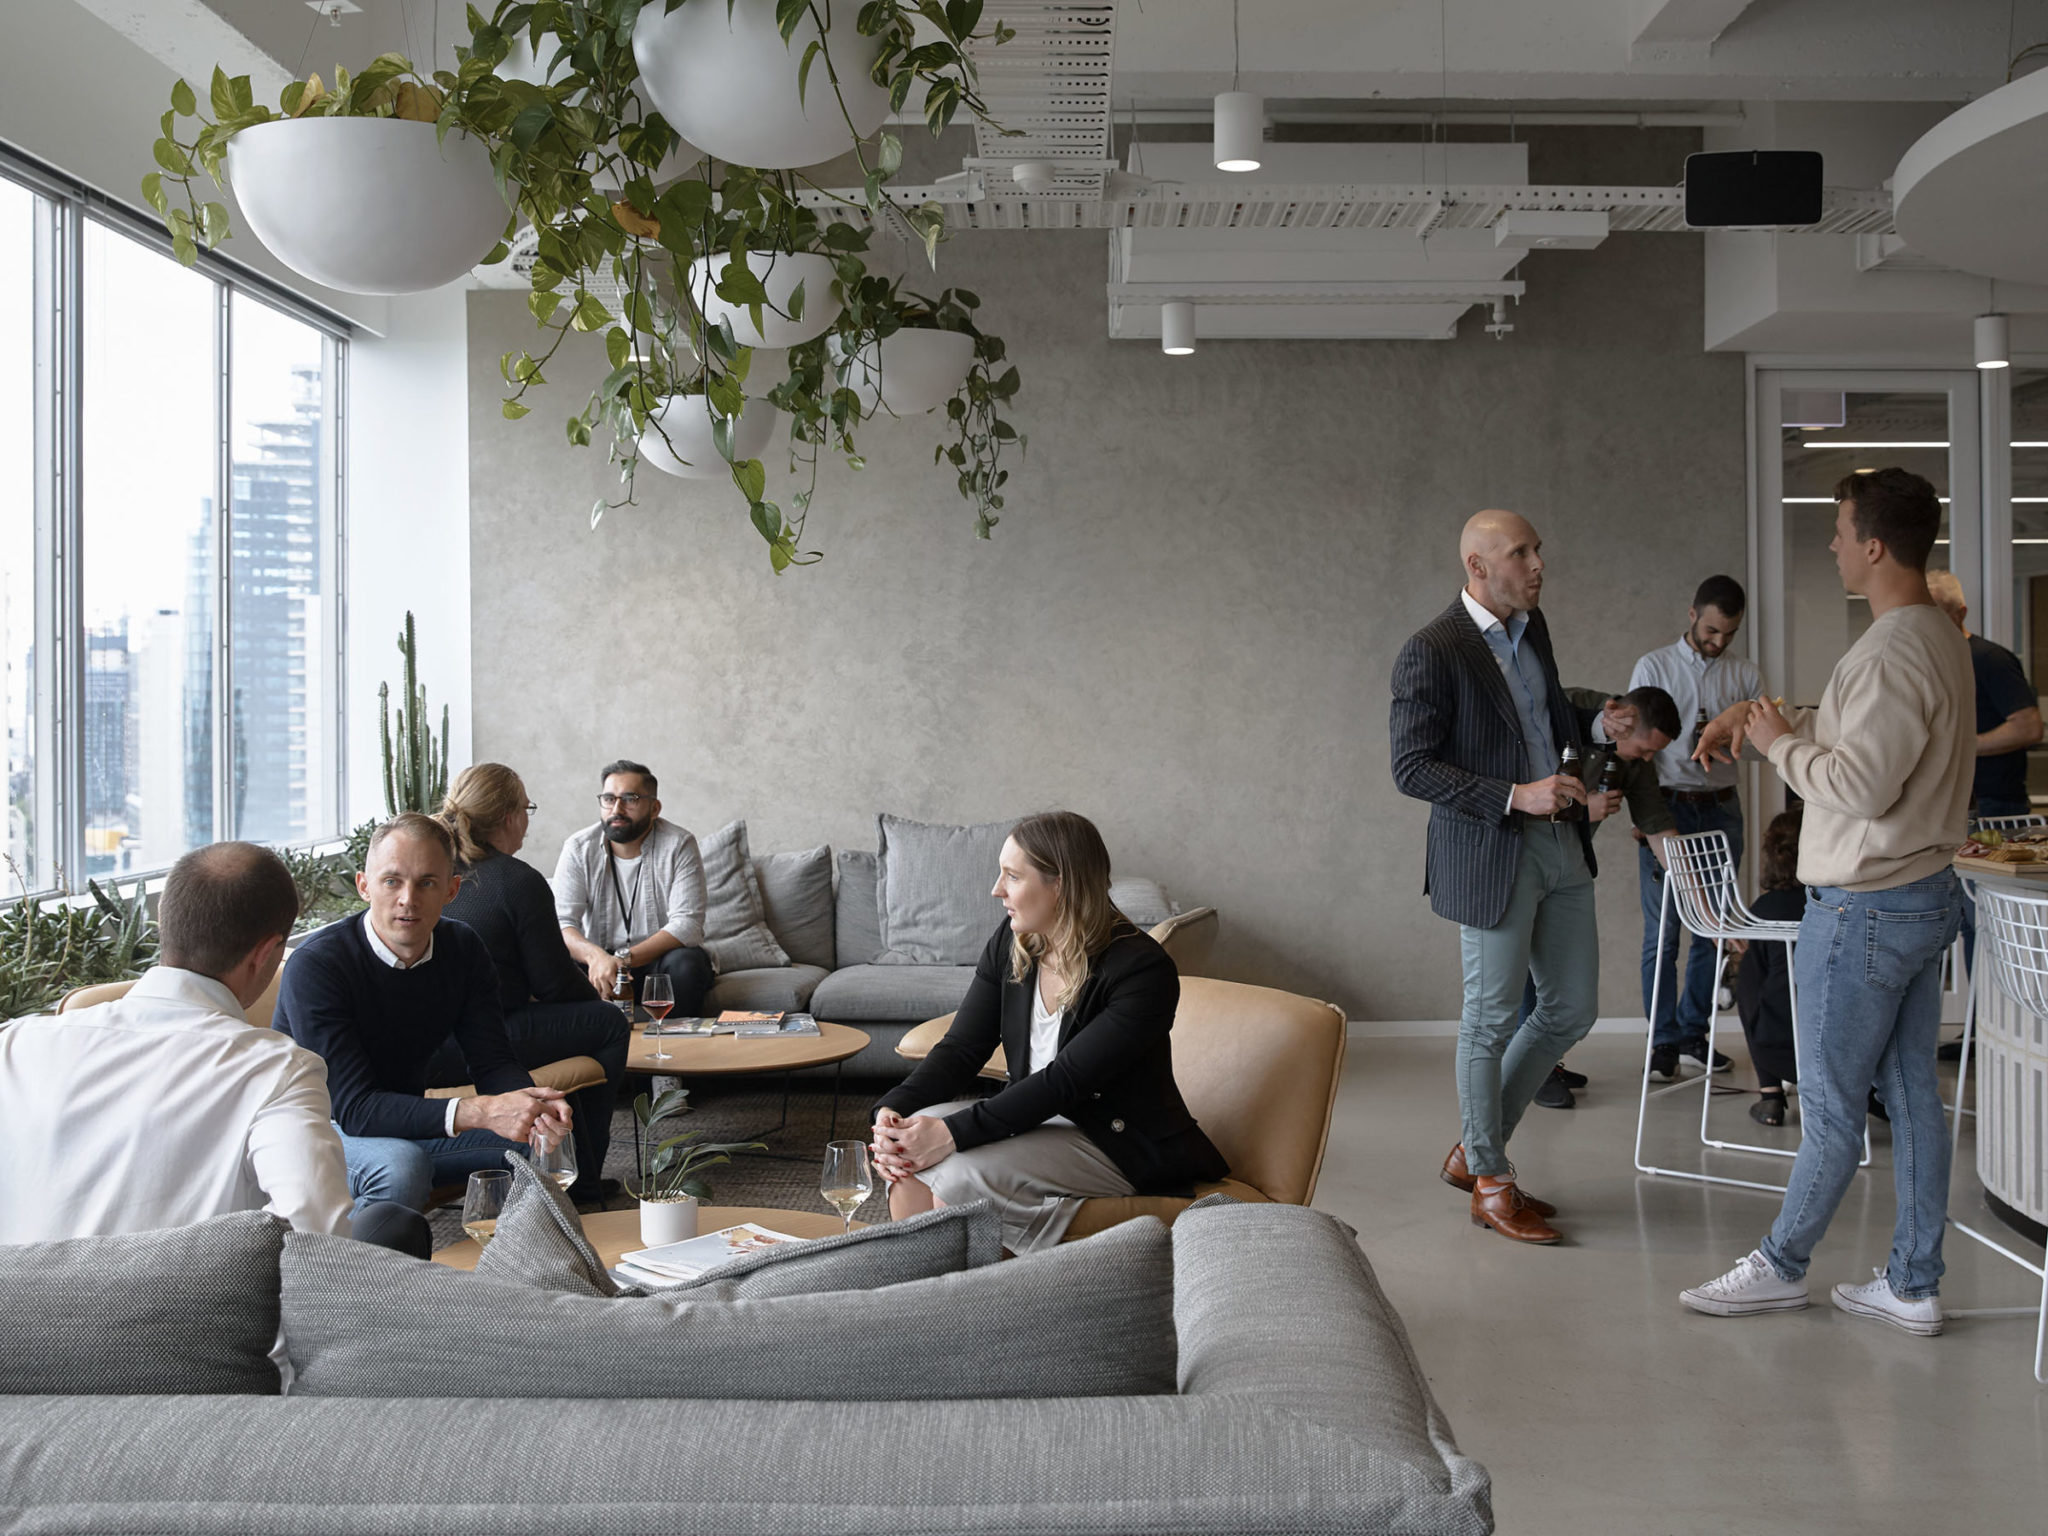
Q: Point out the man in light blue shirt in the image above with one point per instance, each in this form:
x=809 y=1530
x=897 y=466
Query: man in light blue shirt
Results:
x=1703 y=681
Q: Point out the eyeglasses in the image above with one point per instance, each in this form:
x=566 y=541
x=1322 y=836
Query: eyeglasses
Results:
x=607 y=801
x=531 y=808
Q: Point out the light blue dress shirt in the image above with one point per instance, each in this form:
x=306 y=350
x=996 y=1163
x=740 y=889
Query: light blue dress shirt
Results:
x=1524 y=676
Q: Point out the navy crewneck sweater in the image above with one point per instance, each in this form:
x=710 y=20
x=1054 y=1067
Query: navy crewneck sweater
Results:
x=377 y=1026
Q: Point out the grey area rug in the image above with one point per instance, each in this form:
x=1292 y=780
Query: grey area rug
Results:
x=745 y=1109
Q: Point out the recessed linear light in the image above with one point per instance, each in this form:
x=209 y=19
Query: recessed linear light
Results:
x=1829 y=501
x=2016 y=541
x=1901 y=445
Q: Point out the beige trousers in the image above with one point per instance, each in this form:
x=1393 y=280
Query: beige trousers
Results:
x=1035 y=1181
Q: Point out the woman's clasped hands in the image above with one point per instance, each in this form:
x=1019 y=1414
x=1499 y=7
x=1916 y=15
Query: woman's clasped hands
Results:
x=903 y=1146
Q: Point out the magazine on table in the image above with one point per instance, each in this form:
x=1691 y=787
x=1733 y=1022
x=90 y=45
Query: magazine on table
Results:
x=746 y=1026
x=673 y=1263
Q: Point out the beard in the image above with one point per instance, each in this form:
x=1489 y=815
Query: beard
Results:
x=631 y=832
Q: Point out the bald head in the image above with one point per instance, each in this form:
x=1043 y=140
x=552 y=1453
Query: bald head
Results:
x=1947 y=591
x=1502 y=557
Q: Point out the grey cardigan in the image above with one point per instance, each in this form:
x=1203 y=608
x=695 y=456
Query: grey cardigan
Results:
x=670 y=890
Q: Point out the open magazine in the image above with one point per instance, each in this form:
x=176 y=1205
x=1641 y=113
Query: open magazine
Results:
x=745 y=1026
x=673 y=1263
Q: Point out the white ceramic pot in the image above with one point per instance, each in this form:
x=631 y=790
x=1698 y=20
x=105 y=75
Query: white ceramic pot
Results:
x=779 y=274
x=689 y=452
x=367 y=204
x=667 y=1221
x=725 y=80
x=912 y=371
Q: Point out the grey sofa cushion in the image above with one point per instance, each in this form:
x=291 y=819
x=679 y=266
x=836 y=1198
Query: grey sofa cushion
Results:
x=856 y=917
x=183 y=1309
x=796 y=894
x=934 y=890
x=1143 y=901
x=941 y=1242
x=1086 y=1319
x=736 y=934
x=773 y=989
x=539 y=1240
x=862 y=994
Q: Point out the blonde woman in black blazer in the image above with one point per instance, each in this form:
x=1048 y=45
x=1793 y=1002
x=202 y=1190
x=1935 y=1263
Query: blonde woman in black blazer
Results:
x=1082 y=1003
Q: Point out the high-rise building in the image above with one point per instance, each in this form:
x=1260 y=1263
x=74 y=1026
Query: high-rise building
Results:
x=110 y=748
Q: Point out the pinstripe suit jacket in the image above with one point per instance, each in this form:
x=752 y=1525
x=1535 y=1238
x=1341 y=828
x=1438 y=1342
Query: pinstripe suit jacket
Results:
x=1457 y=743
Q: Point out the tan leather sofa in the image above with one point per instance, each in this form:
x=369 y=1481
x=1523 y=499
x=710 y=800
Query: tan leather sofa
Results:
x=1259 y=1069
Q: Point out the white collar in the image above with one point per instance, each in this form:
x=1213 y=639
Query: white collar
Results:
x=387 y=954
x=1486 y=620
x=194 y=987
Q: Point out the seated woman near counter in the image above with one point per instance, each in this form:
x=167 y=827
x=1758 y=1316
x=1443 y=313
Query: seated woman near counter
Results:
x=551 y=1009
x=1082 y=1003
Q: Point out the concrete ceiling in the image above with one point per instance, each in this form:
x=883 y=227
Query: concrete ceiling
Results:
x=1311 y=54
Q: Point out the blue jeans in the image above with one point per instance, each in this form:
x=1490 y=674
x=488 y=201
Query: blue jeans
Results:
x=1548 y=931
x=1869 y=974
x=407 y=1172
x=1682 y=1017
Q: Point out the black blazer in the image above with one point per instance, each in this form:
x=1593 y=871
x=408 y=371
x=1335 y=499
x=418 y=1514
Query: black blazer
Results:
x=1457 y=743
x=1112 y=1075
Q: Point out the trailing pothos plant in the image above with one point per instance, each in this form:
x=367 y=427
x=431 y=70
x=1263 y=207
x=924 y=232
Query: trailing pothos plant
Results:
x=576 y=155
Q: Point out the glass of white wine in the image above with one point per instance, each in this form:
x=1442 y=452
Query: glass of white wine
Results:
x=482 y=1202
x=848 y=1178
x=551 y=1153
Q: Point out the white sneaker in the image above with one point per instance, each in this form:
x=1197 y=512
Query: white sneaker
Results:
x=1751 y=1286
x=1877 y=1300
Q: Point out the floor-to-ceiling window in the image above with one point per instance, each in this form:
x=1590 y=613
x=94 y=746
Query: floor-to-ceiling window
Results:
x=170 y=535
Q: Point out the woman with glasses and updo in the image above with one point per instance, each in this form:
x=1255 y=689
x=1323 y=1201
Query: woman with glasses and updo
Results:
x=1082 y=1003
x=551 y=1009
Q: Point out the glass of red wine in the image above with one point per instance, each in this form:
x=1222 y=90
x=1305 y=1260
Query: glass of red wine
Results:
x=657 y=996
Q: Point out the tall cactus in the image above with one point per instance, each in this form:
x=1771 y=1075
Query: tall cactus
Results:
x=416 y=769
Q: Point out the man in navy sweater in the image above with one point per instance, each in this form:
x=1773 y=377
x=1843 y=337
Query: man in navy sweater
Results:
x=377 y=995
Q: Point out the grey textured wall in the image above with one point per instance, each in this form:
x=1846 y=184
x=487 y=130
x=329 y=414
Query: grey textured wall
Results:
x=1183 y=627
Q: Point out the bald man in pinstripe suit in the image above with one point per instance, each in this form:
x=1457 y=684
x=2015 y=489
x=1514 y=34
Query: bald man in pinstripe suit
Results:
x=1479 y=720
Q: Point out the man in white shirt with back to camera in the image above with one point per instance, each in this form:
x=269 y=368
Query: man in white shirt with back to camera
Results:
x=167 y=1106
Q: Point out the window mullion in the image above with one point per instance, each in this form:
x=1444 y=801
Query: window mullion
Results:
x=60 y=597
x=224 y=743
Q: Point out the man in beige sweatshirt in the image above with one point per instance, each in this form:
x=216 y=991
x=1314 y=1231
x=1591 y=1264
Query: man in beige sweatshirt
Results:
x=1884 y=766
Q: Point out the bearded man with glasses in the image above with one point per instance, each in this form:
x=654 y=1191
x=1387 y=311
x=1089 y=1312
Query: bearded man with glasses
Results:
x=629 y=893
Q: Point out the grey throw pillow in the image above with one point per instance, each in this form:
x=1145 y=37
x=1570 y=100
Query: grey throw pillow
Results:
x=185 y=1309
x=736 y=935
x=796 y=895
x=1087 y=1319
x=1143 y=901
x=539 y=1240
x=856 y=915
x=940 y=1242
x=934 y=890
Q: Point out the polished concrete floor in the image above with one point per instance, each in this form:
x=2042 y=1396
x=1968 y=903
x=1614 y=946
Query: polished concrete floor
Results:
x=1599 y=1404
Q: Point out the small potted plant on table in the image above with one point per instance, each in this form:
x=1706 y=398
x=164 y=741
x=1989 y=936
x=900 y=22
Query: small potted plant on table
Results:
x=671 y=1183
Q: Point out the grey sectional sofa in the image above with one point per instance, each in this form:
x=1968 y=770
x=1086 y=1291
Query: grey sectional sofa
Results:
x=1278 y=1394
x=837 y=932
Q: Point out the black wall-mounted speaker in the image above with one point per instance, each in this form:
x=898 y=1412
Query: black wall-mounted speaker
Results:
x=1752 y=187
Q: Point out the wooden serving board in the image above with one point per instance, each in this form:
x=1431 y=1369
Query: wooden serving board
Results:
x=1968 y=866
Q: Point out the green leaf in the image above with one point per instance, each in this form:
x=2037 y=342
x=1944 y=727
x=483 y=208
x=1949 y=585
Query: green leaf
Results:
x=512 y=410
x=172 y=158
x=889 y=154
x=153 y=192
x=618 y=346
x=803 y=70
x=183 y=102
x=221 y=95
x=766 y=519
x=590 y=314
x=752 y=480
x=788 y=15
x=543 y=305
x=213 y=223
x=244 y=94
x=529 y=125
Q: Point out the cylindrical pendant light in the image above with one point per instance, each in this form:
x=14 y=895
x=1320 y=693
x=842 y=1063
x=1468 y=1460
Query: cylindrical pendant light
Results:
x=1240 y=130
x=1992 y=343
x=1177 y=328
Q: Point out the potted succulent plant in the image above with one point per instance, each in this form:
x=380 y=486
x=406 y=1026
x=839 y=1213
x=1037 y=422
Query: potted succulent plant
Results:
x=671 y=1186
x=577 y=142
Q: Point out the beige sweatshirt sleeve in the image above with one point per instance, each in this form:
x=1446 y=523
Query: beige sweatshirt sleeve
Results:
x=1882 y=737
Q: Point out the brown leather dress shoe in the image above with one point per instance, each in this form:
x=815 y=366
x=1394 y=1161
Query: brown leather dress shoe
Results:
x=1512 y=1214
x=1458 y=1176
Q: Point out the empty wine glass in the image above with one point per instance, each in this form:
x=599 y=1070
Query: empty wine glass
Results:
x=551 y=1153
x=482 y=1202
x=848 y=1178
x=657 y=996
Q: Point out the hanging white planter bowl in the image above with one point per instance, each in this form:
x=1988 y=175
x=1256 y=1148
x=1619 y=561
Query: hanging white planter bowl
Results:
x=779 y=274
x=725 y=80
x=911 y=371
x=367 y=204
x=689 y=452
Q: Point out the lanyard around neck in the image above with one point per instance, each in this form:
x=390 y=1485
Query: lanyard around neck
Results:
x=618 y=890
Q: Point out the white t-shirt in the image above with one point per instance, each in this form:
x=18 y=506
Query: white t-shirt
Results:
x=1045 y=1038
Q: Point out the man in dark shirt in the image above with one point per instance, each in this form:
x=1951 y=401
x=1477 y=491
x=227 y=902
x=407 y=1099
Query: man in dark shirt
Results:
x=2008 y=711
x=376 y=996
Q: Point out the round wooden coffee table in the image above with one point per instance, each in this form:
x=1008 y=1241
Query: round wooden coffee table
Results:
x=616 y=1233
x=730 y=1056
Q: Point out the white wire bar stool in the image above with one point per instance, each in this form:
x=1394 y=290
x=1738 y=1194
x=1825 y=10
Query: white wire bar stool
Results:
x=1700 y=886
x=1956 y=1110
x=2012 y=935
